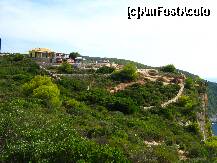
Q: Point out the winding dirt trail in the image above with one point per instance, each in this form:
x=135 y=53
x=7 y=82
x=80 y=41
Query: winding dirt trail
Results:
x=175 y=99
x=123 y=86
x=146 y=75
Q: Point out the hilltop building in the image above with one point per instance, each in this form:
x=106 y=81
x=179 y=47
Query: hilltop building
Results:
x=41 y=53
x=60 y=57
x=79 y=59
x=48 y=56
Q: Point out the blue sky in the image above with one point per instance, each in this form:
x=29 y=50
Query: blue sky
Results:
x=101 y=28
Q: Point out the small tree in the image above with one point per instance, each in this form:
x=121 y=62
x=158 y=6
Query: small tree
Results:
x=124 y=105
x=36 y=82
x=186 y=101
x=65 y=67
x=74 y=55
x=18 y=57
x=128 y=73
x=189 y=83
x=211 y=144
x=49 y=94
x=105 y=70
x=169 y=68
x=43 y=88
x=75 y=107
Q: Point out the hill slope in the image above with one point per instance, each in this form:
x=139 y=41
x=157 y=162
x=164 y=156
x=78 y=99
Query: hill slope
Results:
x=212 y=93
x=93 y=125
x=212 y=96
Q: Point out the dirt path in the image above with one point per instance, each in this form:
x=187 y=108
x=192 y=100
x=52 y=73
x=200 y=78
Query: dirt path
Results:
x=175 y=99
x=123 y=86
x=58 y=76
x=53 y=75
x=154 y=78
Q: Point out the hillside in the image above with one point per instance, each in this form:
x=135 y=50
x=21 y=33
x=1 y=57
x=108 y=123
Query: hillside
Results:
x=212 y=93
x=98 y=117
x=115 y=60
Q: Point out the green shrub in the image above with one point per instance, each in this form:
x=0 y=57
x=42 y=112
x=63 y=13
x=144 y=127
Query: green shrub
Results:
x=21 y=77
x=196 y=150
x=18 y=57
x=166 y=154
x=185 y=101
x=194 y=128
x=75 y=107
x=73 y=84
x=65 y=68
x=49 y=94
x=50 y=139
x=90 y=132
x=189 y=83
x=149 y=94
x=128 y=73
x=36 y=82
x=42 y=87
x=169 y=68
x=74 y=55
x=102 y=97
x=96 y=96
x=105 y=70
x=125 y=105
x=211 y=145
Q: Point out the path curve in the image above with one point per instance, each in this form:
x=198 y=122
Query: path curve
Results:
x=122 y=86
x=175 y=99
x=146 y=75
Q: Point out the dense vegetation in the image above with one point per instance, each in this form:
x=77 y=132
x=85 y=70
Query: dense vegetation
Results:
x=150 y=94
x=105 y=70
x=74 y=55
x=212 y=93
x=65 y=68
x=86 y=123
x=169 y=68
x=43 y=88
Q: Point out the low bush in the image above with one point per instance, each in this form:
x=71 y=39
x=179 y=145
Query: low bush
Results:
x=43 y=88
x=18 y=57
x=169 y=68
x=65 y=68
x=105 y=70
x=128 y=73
x=75 y=107
x=125 y=105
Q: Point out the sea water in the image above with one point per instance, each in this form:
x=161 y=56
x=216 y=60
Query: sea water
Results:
x=214 y=128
